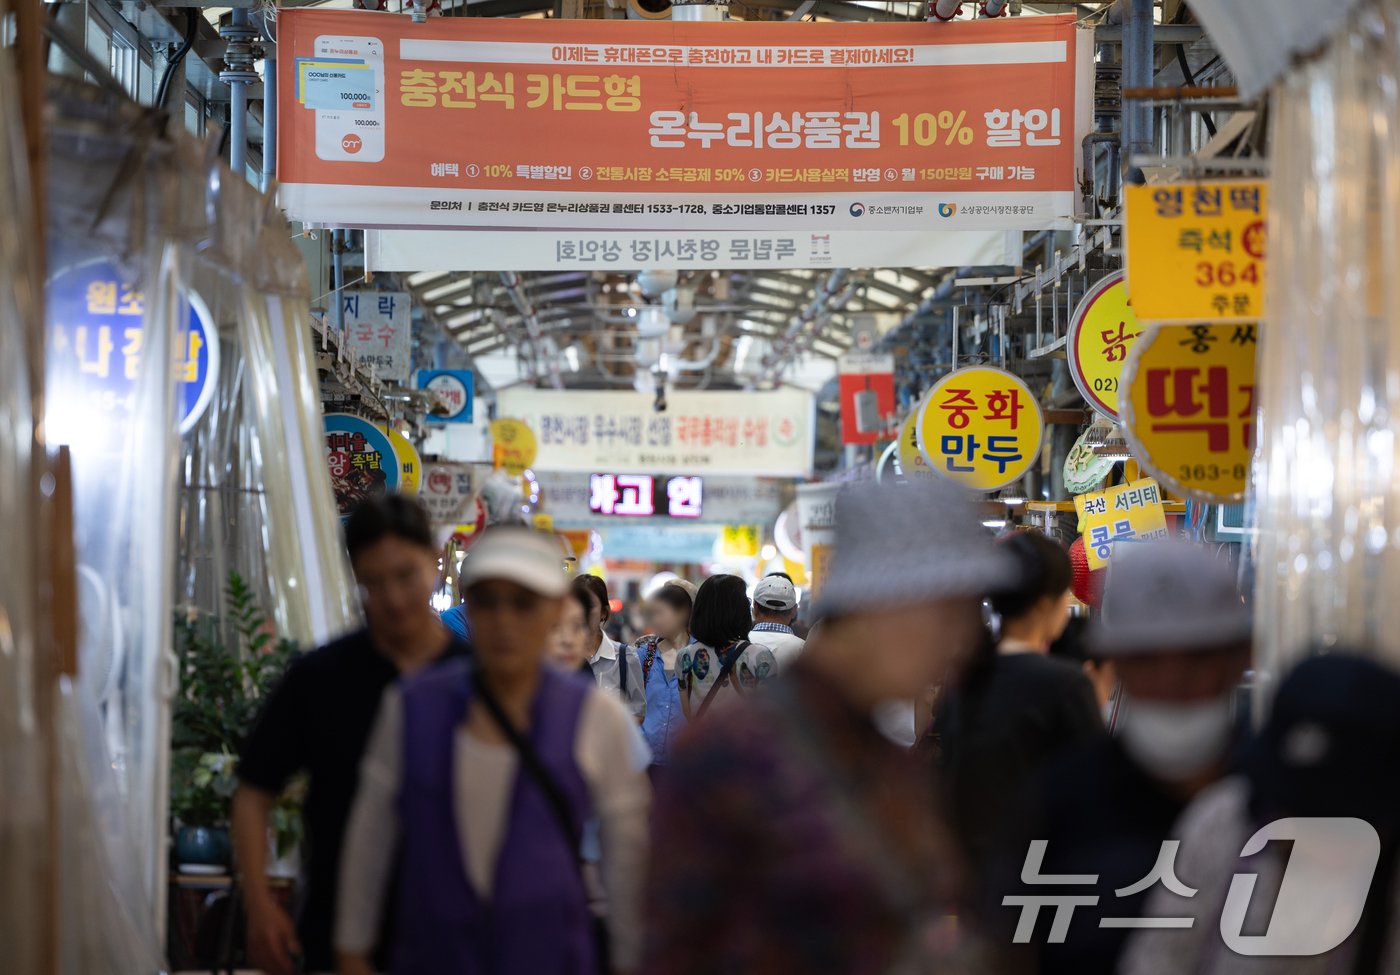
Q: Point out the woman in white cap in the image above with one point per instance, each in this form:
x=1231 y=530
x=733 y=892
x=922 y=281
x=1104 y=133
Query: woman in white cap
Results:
x=483 y=777
x=798 y=840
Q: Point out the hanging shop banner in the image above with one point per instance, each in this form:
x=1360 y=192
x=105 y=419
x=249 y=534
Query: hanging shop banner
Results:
x=1195 y=251
x=911 y=459
x=1084 y=469
x=96 y=322
x=627 y=125
x=867 y=397
x=1101 y=333
x=410 y=464
x=816 y=514
x=545 y=250
x=1188 y=407
x=379 y=330
x=447 y=492
x=513 y=445
x=361 y=459
x=740 y=541
x=1126 y=513
x=454 y=387
x=981 y=427
x=767 y=434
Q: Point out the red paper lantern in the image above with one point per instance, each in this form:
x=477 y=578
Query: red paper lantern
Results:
x=1088 y=583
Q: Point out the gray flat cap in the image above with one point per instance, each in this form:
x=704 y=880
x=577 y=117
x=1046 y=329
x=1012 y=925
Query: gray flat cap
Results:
x=907 y=543
x=1169 y=596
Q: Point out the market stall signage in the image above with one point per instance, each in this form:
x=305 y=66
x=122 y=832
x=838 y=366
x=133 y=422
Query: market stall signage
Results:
x=97 y=322
x=1126 y=513
x=769 y=434
x=446 y=492
x=620 y=125
x=645 y=496
x=911 y=459
x=378 y=327
x=410 y=464
x=513 y=446
x=361 y=460
x=981 y=427
x=866 y=386
x=740 y=541
x=455 y=387
x=1189 y=407
x=1195 y=251
x=1101 y=333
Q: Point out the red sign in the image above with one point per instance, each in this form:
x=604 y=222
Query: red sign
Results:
x=867 y=407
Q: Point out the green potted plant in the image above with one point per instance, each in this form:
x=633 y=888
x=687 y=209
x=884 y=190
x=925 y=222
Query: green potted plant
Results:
x=225 y=674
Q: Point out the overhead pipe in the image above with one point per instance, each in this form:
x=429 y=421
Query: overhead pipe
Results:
x=269 y=146
x=1139 y=70
x=944 y=9
x=776 y=360
x=238 y=74
x=513 y=284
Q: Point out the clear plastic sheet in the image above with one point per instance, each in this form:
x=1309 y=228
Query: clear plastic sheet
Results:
x=1326 y=495
x=23 y=829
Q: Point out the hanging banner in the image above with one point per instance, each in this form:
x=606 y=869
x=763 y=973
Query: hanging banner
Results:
x=1195 y=251
x=361 y=459
x=447 y=492
x=379 y=330
x=867 y=397
x=455 y=387
x=627 y=125
x=96 y=323
x=768 y=434
x=1126 y=513
x=410 y=464
x=513 y=446
x=544 y=250
x=981 y=427
x=1101 y=332
x=740 y=541
x=1188 y=407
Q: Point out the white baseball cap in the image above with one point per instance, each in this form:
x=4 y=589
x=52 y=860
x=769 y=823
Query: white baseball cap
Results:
x=775 y=593
x=516 y=554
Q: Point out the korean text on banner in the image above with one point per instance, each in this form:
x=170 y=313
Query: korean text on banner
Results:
x=614 y=125
x=981 y=427
x=1101 y=333
x=1126 y=513
x=767 y=434
x=378 y=329
x=1195 y=251
x=454 y=389
x=1189 y=408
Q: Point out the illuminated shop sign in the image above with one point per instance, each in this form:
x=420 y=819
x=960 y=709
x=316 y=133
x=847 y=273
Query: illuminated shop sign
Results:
x=645 y=496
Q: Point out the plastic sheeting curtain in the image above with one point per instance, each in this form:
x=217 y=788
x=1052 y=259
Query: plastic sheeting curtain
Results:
x=1327 y=495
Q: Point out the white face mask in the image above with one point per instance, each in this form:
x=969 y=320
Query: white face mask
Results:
x=1175 y=741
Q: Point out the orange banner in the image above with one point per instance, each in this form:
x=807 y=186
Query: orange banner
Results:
x=467 y=122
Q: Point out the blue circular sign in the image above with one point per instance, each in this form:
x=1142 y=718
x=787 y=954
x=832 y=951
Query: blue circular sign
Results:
x=361 y=460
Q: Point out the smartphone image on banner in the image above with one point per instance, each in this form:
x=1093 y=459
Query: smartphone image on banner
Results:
x=344 y=85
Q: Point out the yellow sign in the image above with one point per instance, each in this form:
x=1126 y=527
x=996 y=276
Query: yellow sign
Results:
x=821 y=566
x=1126 y=513
x=981 y=427
x=1103 y=329
x=1188 y=407
x=513 y=446
x=410 y=464
x=740 y=541
x=1195 y=251
x=911 y=460
x=543 y=522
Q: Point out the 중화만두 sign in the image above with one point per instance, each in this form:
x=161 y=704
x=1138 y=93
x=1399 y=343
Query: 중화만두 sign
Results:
x=1195 y=251
x=614 y=125
x=981 y=427
x=768 y=434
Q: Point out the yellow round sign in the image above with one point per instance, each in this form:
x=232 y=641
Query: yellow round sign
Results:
x=1188 y=407
x=1102 y=332
x=513 y=445
x=911 y=460
x=410 y=464
x=981 y=427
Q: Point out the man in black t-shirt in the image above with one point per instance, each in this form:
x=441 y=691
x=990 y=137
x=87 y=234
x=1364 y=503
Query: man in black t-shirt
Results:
x=319 y=719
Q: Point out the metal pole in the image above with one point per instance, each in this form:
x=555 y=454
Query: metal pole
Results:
x=955 y=338
x=1139 y=70
x=238 y=74
x=269 y=161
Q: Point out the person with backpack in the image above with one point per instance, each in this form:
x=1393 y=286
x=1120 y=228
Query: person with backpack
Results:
x=669 y=614
x=721 y=664
x=615 y=665
x=481 y=778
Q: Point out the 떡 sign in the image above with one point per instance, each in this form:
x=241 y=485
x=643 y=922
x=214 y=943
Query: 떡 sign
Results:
x=981 y=427
x=1103 y=329
x=455 y=387
x=1126 y=513
x=613 y=125
x=766 y=433
x=867 y=397
x=361 y=459
x=1188 y=407
x=1195 y=251
x=378 y=328
x=97 y=323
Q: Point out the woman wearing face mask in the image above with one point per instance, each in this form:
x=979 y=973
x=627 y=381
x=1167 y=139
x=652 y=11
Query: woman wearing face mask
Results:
x=1178 y=632
x=669 y=615
x=1016 y=708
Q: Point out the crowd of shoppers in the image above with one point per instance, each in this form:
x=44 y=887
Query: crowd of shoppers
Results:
x=727 y=797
